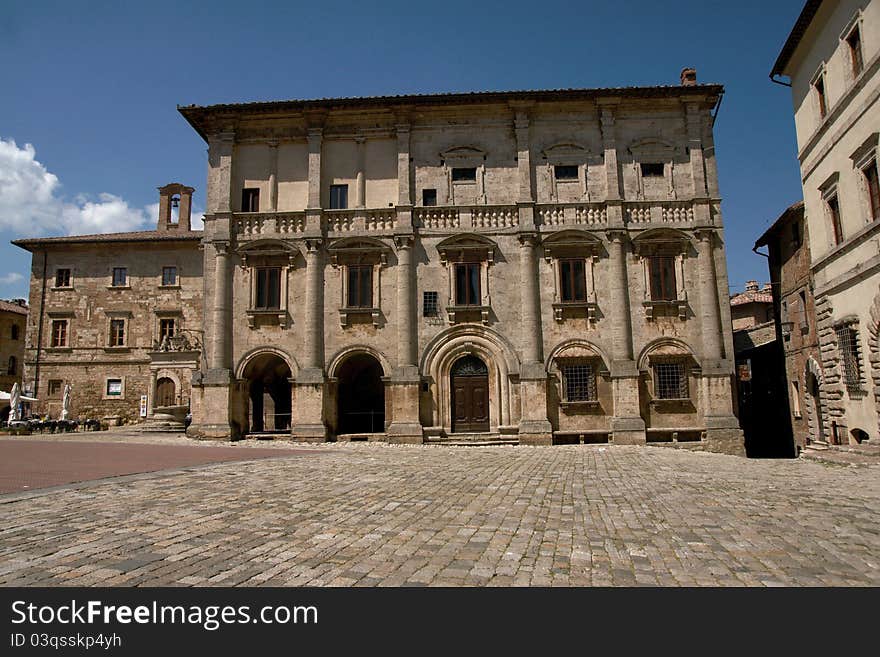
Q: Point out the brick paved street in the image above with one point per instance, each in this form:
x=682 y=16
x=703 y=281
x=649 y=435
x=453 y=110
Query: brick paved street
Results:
x=370 y=515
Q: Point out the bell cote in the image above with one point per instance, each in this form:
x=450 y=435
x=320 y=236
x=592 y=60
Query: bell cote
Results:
x=175 y=207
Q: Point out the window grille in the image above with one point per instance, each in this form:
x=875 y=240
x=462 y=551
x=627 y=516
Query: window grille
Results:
x=430 y=304
x=670 y=381
x=580 y=382
x=848 y=345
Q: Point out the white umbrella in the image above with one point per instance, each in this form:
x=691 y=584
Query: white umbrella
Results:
x=14 y=403
x=65 y=402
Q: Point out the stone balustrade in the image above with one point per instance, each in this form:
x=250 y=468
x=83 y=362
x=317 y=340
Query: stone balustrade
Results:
x=252 y=225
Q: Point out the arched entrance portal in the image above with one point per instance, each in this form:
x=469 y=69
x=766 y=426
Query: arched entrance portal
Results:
x=815 y=406
x=360 y=395
x=470 y=395
x=268 y=378
x=165 y=392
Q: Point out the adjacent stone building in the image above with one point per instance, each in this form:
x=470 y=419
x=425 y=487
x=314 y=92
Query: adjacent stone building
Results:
x=118 y=317
x=530 y=267
x=788 y=246
x=832 y=57
x=13 y=319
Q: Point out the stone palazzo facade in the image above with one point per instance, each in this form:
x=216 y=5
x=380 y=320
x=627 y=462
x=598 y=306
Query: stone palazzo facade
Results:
x=527 y=267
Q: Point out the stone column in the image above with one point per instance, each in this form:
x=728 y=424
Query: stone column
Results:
x=716 y=377
x=219 y=193
x=405 y=382
x=273 y=175
x=361 y=192
x=534 y=427
x=308 y=393
x=627 y=425
x=217 y=358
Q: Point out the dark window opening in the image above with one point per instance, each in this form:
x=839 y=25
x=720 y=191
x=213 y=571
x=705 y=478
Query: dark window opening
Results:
x=464 y=174
x=268 y=293
x=15 y=331
x=467 y=284
x=169 y=275
x=573 y=282
x=120 y=276
x=12 y=368
x=670 y=381
x=429 y=197
x=662 y=275
x=360 y=286
x=430 y=304
x=873 y=189
x=250 y=199
x=652 y=169
x=166 y=328
x=854 y=40
x=54 y=389
x=834 y=211
x=338 y=197
x=62 y=278
x=59 y=333
x=819 y=86
x=565 y=172
x=580 y=382
x=117 y=332
x=796 y=235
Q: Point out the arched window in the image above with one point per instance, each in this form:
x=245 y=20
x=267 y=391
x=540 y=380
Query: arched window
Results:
x=13 y=365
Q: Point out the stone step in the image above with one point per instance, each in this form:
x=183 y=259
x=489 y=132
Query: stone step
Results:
x=472 y=440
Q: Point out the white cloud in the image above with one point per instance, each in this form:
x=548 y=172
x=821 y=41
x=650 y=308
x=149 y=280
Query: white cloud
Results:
x=11 y=278
x=30 y=201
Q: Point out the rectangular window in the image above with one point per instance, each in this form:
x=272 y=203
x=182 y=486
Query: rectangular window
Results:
x=430 y=304
x=117 y=332
x=429 y=197
x=360 y=286
x=819 y=87
x=873 y=189
x=268 y=293
x=565 y=172
x=662 y=276
x=62 y=278
x=166 y=328
x=114 y=387
x=803 y=317
x=464 y=174
x=848 y=346
x=834 y=213
x=854 y=41
x=59 y=333
x=796 y=235
x=573 y=283
x=169 y=276
x=652 y=169
x=580 y=383
x=55 y=387
x=250 y=199
x=670 y=381
x=120 y=277
x=338 y=197
x=467 y=284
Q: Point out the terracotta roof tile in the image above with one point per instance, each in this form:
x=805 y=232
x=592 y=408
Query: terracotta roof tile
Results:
x=137 y=236
x=10 y=307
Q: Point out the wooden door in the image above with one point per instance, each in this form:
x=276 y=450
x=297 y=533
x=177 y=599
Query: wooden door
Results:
x=470 y=403
x=165 y=392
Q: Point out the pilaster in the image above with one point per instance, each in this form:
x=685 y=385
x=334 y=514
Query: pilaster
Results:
x=315 y=141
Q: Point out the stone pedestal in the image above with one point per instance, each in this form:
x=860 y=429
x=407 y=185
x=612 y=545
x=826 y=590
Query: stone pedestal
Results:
x=404 y=387
x=211 y=401
x=723 y=433
x=307 y=405
x=534 y=427
x=627 y=426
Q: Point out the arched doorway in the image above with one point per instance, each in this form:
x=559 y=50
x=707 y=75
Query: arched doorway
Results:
x=165 y=392
x=360 y=395
x=268 y=377
x=816 y=431
x=470 y=395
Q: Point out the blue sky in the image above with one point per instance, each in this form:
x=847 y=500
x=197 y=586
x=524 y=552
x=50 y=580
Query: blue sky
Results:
x=93 y=87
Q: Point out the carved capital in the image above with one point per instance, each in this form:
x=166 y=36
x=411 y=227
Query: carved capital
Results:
x=404 y=241
x=528 y=239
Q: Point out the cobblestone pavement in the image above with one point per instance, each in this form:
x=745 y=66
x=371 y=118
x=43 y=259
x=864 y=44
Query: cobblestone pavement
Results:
x=378 y=515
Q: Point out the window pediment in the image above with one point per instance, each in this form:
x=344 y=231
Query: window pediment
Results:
x=358 y=250
x=466 y=247
x=571 y=243
x=652 y=149
x=263 y=250
x=659 y=241
x=463 y=155
x=566 y=153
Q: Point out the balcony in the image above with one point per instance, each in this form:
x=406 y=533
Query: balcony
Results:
x=267 y=225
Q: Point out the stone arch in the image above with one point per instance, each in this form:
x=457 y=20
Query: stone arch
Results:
x=813 y=402
x=260 y=351
x=494 y=350
x=665 y=345
x=575 y=347
x=343 y=354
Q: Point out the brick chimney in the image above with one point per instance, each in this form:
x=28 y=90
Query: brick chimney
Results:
x=751 y=286
x=688 y=77
x=172 y=196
